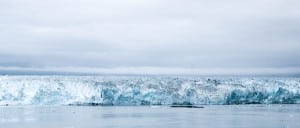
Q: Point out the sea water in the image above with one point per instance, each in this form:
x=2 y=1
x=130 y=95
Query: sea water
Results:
x=211 y=116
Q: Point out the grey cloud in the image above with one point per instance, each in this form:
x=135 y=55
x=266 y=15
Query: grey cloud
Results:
x=163 y=34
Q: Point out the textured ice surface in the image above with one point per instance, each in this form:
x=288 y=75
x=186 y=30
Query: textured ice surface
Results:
x=146 y=90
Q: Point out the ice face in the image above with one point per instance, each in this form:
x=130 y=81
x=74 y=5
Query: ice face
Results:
x=146 y=90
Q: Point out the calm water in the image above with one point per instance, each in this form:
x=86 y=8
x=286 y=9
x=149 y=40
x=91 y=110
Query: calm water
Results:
x=212 y=116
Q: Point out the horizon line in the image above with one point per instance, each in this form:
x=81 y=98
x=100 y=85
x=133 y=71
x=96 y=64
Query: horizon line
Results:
x=150 y=71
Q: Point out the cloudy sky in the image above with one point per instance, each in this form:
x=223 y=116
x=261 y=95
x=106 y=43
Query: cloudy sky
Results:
x=151 y=36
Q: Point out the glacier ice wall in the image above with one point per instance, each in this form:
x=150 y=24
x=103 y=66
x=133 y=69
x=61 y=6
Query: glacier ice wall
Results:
x=146 y=90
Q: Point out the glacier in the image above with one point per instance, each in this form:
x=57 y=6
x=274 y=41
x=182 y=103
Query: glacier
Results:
x=147 y=90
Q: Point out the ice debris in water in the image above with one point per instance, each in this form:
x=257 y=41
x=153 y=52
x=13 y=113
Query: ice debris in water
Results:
x=146 y=90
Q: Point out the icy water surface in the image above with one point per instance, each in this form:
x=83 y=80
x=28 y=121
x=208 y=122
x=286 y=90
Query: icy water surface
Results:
x=211 y=116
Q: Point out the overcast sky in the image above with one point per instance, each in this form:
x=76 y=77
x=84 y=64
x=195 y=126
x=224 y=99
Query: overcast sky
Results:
x=156 y=36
